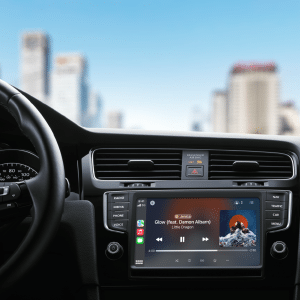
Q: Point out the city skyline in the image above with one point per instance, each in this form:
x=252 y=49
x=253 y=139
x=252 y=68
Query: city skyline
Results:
x=167 y=64
x=65 y=87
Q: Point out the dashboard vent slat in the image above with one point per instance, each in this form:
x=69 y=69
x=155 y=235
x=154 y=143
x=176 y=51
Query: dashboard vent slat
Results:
x=271 y=165
x=112 y=164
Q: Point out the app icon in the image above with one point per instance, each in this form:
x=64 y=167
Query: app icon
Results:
x=140 y=232
x=140 y=240
x=140 y=223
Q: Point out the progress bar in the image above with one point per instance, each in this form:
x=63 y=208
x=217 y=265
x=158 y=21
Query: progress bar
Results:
x=208 y=250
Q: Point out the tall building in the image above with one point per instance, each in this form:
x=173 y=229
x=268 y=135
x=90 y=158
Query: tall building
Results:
x=69 y=94
x=115 y=119
x=35 y=64
x=220 y=118
x=253 y=99
x=92 y=118
x=289 y=119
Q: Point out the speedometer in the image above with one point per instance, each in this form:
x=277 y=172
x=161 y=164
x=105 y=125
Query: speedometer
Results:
x=14 y=172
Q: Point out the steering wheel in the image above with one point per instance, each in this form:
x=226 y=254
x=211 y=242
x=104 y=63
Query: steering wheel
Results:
x=45 y=192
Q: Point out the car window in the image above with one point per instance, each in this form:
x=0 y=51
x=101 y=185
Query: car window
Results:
x=215 y=66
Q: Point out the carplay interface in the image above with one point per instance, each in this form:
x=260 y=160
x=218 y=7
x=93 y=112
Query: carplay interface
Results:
x=197 y=232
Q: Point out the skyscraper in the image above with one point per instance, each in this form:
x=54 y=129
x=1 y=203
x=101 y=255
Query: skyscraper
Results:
x=35 y=64
x=115 y=119
x=69 y=88
x=92 y=118
x=220 y=118
x=253 y=99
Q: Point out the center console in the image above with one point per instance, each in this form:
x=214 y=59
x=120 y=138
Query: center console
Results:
x=197 y=233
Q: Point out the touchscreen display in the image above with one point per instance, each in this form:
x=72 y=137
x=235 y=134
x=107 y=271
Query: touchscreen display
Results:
x=197 y=232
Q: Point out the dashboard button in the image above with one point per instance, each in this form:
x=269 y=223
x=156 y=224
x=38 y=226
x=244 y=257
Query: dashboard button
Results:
x=194 y=171
x=116 y=215
x=118 y=225
x=275 y=224
x=118 y=206
x=118 y=197
x=276 y=214
x=272 y=196
x=272 y=205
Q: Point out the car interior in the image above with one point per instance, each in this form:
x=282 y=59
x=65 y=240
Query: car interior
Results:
x=124 y=214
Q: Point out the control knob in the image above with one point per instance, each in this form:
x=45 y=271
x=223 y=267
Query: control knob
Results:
x=114 y=250
x=279 y=250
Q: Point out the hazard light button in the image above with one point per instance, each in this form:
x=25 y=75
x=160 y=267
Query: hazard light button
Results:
x=194 y=171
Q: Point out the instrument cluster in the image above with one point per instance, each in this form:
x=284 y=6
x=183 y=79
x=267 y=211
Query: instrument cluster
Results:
x=18 y=165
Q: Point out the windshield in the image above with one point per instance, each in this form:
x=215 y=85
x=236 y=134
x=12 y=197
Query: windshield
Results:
x=215 y=66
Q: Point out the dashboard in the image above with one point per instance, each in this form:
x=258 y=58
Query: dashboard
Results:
x=196 y=210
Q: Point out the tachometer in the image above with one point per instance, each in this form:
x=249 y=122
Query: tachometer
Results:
x=14 y=172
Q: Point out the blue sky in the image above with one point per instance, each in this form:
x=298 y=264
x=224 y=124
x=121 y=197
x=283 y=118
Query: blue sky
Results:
x=158 y=60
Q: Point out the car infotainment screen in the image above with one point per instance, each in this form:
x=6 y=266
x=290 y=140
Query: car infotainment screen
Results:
x=197 y=232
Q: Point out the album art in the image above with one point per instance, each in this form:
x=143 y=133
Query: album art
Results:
x=237 y=228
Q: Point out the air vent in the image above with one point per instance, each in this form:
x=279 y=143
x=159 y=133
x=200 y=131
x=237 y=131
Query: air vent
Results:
x=149 y=164
x=270 y=165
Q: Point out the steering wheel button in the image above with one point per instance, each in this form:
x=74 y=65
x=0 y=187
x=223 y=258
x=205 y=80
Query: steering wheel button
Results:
x=14 y=192
x=7 y=206
x=4 y=191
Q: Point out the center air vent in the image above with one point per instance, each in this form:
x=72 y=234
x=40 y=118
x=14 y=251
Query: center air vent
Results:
x=137 y=164
x=252 y=165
